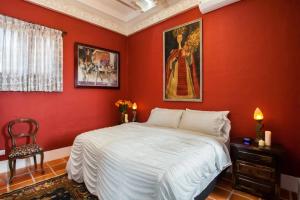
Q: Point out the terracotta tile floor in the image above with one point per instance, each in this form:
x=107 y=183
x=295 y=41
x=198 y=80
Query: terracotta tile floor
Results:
x=29 y=175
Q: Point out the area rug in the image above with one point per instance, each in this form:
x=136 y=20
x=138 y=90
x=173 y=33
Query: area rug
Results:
x=58 y=188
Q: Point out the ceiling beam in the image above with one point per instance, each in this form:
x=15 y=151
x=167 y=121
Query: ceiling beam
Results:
x=132 y=6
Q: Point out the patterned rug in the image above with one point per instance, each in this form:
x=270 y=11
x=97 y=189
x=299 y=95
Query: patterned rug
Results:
x=58 y=188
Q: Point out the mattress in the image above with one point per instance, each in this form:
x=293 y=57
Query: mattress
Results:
x=135 y=161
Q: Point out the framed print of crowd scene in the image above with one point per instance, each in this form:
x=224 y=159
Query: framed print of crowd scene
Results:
x=96 y=67
x=183 y=62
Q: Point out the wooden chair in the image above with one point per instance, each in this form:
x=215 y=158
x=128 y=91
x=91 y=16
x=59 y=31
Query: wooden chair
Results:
x=25 y=150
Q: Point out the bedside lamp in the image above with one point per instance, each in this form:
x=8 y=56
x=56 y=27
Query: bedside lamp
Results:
x=258 y=116
x=134 y=108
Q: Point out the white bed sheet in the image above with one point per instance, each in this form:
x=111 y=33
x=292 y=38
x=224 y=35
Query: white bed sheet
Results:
x=141 y=162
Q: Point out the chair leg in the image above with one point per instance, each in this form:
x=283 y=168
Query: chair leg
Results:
x=11 y=168
x=34 y=159
x=14 y=165
x=42 y=161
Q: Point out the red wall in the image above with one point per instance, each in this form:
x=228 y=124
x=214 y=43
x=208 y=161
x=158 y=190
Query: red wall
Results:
x=64 y=115
x=251 y=57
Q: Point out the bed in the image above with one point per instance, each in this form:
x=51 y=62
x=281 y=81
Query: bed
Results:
x=143 y=161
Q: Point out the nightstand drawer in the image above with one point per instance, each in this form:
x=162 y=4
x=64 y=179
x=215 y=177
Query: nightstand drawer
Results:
x=256 y=158
x=253 y=187
x=255 y=171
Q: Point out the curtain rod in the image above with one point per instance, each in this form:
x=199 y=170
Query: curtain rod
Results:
x=63 y=32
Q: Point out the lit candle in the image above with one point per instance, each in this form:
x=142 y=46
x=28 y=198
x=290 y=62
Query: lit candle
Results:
x=268 y=138
x=134 y=106
x=258 y=115
x=261 y=143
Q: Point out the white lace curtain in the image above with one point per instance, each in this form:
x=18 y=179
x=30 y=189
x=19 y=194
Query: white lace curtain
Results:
x=31 y=57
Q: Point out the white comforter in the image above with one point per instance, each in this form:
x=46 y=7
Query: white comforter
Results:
x=139 y=162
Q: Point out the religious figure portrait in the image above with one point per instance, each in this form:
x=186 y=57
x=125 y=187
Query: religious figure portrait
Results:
x=183 y=62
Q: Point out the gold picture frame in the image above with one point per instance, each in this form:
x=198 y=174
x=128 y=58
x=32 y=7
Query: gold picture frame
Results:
x=182 y=62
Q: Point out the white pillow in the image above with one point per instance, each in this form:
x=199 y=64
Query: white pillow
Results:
x=209 y=122
x=165 y=117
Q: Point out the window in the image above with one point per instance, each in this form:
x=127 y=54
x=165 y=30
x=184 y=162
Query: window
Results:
x=30 y=57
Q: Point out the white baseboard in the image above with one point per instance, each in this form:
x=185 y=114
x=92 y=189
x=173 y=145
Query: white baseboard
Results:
x=288 y=182
x=48 y=156
x=298 y=188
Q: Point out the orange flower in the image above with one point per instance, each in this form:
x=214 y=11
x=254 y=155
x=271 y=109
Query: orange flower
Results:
x=123 y=104
x=128 y=103
x=119 y=102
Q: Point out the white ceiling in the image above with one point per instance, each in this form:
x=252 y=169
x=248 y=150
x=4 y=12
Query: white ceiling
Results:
x=122 y=16
x=114 y=8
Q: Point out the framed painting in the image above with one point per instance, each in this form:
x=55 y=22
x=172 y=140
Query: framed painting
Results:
x=182 y=62
x=96 y=67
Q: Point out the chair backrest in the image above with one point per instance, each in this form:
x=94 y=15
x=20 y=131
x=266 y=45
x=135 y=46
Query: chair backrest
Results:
x=33 y=129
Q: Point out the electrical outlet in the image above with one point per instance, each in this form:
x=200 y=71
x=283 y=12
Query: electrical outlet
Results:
x=2 y=152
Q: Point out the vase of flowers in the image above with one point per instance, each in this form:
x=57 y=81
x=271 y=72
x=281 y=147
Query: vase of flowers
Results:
x=123 y=105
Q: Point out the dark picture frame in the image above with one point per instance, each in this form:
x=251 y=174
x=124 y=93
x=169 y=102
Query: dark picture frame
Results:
x=182 y=62
x=96 y=67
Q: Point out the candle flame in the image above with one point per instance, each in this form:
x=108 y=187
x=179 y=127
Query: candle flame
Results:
x=258 y=115
x=134 y=106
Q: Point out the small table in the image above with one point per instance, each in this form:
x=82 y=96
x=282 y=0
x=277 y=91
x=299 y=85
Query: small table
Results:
x=256 y=170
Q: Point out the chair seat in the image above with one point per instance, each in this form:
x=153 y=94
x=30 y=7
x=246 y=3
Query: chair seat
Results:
x=24 y=150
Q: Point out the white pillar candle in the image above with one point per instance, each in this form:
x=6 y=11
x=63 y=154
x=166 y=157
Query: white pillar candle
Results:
x=261 y=143
x=126 y=118
x=268 y=138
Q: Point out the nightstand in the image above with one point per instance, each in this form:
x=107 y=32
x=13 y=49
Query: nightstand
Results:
x=256 y=170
